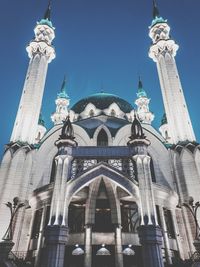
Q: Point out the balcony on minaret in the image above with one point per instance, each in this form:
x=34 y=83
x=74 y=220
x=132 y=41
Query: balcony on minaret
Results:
x=142 y=102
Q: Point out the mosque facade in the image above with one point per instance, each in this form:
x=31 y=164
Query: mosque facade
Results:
x=102 y=187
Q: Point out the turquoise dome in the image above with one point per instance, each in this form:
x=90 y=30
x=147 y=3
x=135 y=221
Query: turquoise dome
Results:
x=102 y=101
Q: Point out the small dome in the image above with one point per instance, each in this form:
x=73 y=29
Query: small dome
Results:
x=102 y=101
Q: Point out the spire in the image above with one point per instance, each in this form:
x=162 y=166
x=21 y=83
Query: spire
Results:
x=47 y=14
x=141 y=92
x=136 y=129
x=63 y=93
x=155 y=10
x=67 y=130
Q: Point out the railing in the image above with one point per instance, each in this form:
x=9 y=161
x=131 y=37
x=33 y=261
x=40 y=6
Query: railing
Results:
x=20 y=258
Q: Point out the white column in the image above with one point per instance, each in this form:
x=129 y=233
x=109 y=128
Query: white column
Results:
x=41 y=235
x=88 y=246
x=177 y=234
x=58 y=199
x=165 y=236
x=118 y=246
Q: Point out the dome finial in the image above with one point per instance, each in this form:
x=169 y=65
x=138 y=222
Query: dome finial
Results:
x=47 y=14
x=155 y=10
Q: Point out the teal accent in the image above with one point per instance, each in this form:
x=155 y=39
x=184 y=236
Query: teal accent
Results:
x=102 y=101
x=164 y=119
x=158 y=20
x=41 y=120
x=46 y=22
x=63 y=93
x=141 y=92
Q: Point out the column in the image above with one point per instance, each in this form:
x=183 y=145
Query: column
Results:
x=56 y=234
x=165 y=236
x=151 y=241
x=118 y=247
x=150 y=234
x=88 y=246
x=56 y=240
x=177 y=234
x=41 y=234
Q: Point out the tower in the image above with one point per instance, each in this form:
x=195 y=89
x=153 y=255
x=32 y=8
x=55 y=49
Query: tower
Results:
x=142 y=102
x=41 y=53
x=62 y=103
x=163 y=51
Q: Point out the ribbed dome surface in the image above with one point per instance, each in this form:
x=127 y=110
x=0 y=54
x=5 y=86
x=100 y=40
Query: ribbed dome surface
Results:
x=102 y=101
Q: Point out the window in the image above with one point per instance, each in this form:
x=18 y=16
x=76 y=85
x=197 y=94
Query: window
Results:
x=53 y=171
x=36 y=224
x=153 y=177
x=76 y=217
x=169 y=223
x=158 y=215
x=129 y=217
x=103 y=221
x=102 y=139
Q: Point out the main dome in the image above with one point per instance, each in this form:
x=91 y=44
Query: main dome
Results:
x=102 y=101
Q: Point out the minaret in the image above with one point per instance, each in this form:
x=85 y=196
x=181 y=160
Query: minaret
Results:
x=142 y=102
x=41 y=53
x=62 y=104
x=163 y=51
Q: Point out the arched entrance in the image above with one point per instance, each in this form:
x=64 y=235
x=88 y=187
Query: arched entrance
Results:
x=95 y=219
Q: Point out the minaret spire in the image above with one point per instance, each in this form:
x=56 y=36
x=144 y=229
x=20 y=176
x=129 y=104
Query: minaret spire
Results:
x=47 y=14
x=41 y=53
x=163 y=51
x=155 y=10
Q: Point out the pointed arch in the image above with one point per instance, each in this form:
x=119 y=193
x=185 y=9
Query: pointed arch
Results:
x=106 y=131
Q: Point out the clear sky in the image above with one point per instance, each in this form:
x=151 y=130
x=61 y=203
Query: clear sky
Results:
x=98 y=44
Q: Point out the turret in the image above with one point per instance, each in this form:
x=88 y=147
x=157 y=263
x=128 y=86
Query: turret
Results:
x=41 y=130
x=164 y=129
x=62 y=104
x=142 y=102
x=41 y=53
x=163 y=51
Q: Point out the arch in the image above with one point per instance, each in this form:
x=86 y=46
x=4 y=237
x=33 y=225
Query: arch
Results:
x=96 y=133
x=91 y=203
x=104 y=171
x=102 y=138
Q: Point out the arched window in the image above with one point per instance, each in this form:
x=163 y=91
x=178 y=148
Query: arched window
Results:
x=153 y=177
x=53 y=171
x=102 y=139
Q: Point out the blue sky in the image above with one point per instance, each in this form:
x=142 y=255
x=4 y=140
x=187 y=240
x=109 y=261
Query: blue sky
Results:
x=98 y=43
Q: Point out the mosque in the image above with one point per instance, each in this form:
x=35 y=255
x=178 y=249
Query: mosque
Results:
x=102 y=187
